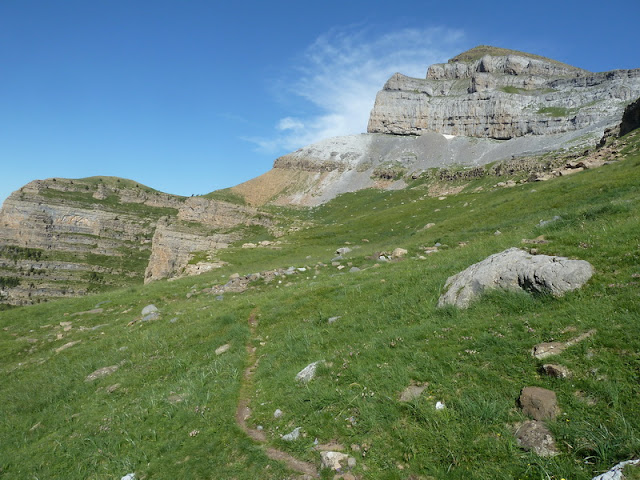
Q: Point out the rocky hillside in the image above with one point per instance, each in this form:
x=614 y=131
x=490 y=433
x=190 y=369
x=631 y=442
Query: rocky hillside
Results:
x=488 y=111
x=486 y=105
x=61 y=237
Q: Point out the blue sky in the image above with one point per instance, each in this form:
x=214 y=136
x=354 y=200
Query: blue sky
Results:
x=190 y=96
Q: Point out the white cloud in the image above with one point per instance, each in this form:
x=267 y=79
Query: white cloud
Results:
x=290 y=123
x=339 y=75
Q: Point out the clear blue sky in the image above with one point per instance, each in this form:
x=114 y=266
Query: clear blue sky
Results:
x=189 y=96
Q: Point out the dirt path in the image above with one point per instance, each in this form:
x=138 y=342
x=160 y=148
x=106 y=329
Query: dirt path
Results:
x=243 y=412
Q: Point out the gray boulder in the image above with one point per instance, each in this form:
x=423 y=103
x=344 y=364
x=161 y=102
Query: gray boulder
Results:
x=515 y=269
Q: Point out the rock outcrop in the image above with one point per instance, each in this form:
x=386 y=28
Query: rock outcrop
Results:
x=505 y=96
x=515 y=269
x=61 y=237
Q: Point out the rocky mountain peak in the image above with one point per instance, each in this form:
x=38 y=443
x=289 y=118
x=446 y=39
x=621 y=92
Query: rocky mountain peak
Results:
x=490 y=92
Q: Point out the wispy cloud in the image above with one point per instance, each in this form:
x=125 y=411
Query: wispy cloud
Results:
x=339 y=75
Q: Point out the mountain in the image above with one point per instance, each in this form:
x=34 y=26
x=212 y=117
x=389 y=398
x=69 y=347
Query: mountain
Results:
x=483 y=106
x=487 y=112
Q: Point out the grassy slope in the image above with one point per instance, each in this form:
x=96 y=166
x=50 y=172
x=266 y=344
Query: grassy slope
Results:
x=56 y=425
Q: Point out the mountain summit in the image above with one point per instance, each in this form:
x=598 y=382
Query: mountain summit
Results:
x=488 y=92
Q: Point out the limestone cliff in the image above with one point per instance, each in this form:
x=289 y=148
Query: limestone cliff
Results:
x=61 y=237
x=505 y=96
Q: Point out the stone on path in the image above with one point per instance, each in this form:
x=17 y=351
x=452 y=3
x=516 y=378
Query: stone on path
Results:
x=539 y=403
x=337 y=461
x=536 y=437
x=515 y=269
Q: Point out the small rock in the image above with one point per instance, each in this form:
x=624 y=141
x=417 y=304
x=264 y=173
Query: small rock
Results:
x=151 y=316
x=173 y=320
x=334 y=460
x=343 y=250
x=292 y=436
x=67 y=345
x=539 y=403
x=233 y=276
x=333 y=319
x=219 y=298
x=429 y=225
x=536 y=437
x=557 y=371
x=174 y=399
x=222 y=349
x=112 y=388
x=497 y=232
x=547 y=222
x=101 y=372
x=307 y=373
x=440 y=406
x=617 y=472
x=129 y=476
x=547 y=349
x=149 y=309
x=354 y=269
x=412 y=392
x=278 y=413
x=399 y=253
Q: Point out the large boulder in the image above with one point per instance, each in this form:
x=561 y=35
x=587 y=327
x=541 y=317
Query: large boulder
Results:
x=515 y=269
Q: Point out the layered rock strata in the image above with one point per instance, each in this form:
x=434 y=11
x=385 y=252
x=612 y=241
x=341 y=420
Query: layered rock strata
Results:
x=502 y=97
x=61 y=237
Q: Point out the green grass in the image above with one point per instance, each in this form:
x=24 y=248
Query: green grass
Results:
x=389 y=334
x=555 y=111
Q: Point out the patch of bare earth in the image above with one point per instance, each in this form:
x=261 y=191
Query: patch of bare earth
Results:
x=243 y=412
x=265 y=188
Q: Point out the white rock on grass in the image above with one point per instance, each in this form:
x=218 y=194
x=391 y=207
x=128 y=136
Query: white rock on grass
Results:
x=616 y=473
x=515 y=269
x=307 y=373
x=292 y=436
x=149 y=309
x=336 y=460
x=129 y=476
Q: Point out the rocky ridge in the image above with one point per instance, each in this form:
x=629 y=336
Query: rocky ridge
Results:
x=502 y=97
x=61 y=237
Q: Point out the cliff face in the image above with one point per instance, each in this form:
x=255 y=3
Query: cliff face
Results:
x=502 y=97
x=62 y=237
x=486 y=105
